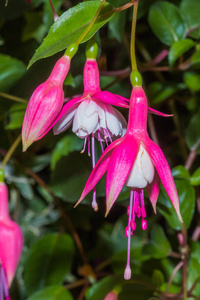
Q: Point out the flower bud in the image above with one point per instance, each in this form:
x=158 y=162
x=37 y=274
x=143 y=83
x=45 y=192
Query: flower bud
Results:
x=11 y=242
x=45 y=104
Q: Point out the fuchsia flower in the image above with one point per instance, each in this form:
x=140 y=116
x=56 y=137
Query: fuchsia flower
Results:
x=136 y=161
x=11 y=243
x=45 y=104
x=92 y=115
x=111 y=296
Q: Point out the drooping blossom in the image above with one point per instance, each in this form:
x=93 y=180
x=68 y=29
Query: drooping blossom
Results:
x=11 y=243
x=45 y=104
x=136 y=161
x=92 y=115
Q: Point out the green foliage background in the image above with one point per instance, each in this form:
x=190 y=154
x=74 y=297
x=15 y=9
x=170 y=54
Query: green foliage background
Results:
x=76 y=253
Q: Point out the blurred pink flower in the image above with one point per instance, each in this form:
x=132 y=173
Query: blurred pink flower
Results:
x=136 y=161
x=45 y=104
x=111 y=296
x=11 y=243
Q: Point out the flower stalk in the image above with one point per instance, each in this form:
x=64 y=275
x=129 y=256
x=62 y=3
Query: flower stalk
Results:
x=10 y=151
x=133 y=30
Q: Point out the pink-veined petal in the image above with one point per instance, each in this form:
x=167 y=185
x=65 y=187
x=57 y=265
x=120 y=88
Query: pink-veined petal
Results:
x=158 y=113
x=112 y=99
x=153 y=190
x=164 y=172
x=64 y=110
x=98 y=171
x=119 y=167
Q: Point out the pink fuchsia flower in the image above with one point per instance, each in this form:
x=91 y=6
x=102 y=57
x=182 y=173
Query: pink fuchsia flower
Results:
x=111 y=296
x=45 y=104
x=11 y=243
x=136 y=161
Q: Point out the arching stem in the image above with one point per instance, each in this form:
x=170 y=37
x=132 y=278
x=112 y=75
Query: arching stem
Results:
x=133 y=30
x=10 y=151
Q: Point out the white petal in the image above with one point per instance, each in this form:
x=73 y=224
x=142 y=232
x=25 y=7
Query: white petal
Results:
x=86 y=118
x=142 y=172
x=65 y=122
x=113 y=124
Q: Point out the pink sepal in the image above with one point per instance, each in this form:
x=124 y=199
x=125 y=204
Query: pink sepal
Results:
x=112 y=99
x=119 y=167
x=164 y=173
x=98 y=171
x=156 y=112
x=153 y=190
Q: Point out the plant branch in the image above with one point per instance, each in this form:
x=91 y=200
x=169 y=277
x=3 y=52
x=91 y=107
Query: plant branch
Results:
x=133 y=31
x=10 y=151
x=13 y=98
x=191 y=157
x=179 y=265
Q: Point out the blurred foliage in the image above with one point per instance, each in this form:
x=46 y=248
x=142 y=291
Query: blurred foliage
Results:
x=72 y=253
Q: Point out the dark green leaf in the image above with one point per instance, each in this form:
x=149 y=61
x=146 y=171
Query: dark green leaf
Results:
x=70 y=26
x=166 y=22
x=187 y=205
x=180 y=172
x=157 y=278
x=48 y=261
x=160 y=92
x=117 y=23
x=11 y=70
x=34 y=28
x=52 y=293
x=193 y=133
x=196 y=59
x=194 y=268
x=16 y=116
x=192 y=80
x=191 y=10
x=159 y=246
x=65 y=146
x=179 y=48
x=195 y=178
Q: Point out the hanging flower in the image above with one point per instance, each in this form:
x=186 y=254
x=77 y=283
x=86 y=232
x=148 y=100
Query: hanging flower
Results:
x=136 y=161
x=11 y=243
x=45 y=104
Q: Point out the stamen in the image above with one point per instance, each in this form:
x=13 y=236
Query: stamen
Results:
x=100 y=141
x=88 y=145
x=143 y=212
x=136 y=201
x=4 y=291
x=84 y=146
x=94 y=202
x=127 y=272
x=108 y=134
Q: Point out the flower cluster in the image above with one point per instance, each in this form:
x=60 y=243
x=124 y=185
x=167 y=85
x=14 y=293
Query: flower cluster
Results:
x=131 y=157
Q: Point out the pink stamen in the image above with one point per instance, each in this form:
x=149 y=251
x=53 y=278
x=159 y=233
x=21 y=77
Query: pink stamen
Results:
x=94 y=201
x=100 y=141
x=127 y=272
x=88 y=145
x=143 y=212
x=84 y=146
x=133 y=225
x=144 y=224
x=108 y=134
x=136 y=201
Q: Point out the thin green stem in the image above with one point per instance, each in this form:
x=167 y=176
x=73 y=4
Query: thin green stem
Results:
x=133 y=30
x=91 y=23
x=10 y=151
x=185 y=260
x=14 y=98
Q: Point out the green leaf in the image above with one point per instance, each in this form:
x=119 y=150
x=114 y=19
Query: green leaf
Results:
x=34 y=28
x=190 y=9
x=16 y=116
x=48 y=261
x=52 y=293
x=157 y=278
x=160 y=92
x=192 y=80
x=181 y=172
x=196 y=59
x=186 y=195
x=11 y=70
x=70 y=26
x=99 y=290
x=159 y=246
x=166 y=22
x=194 y=268
x=65 y=146
x=193 y=133
x=179 y=48
x=195 y=178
